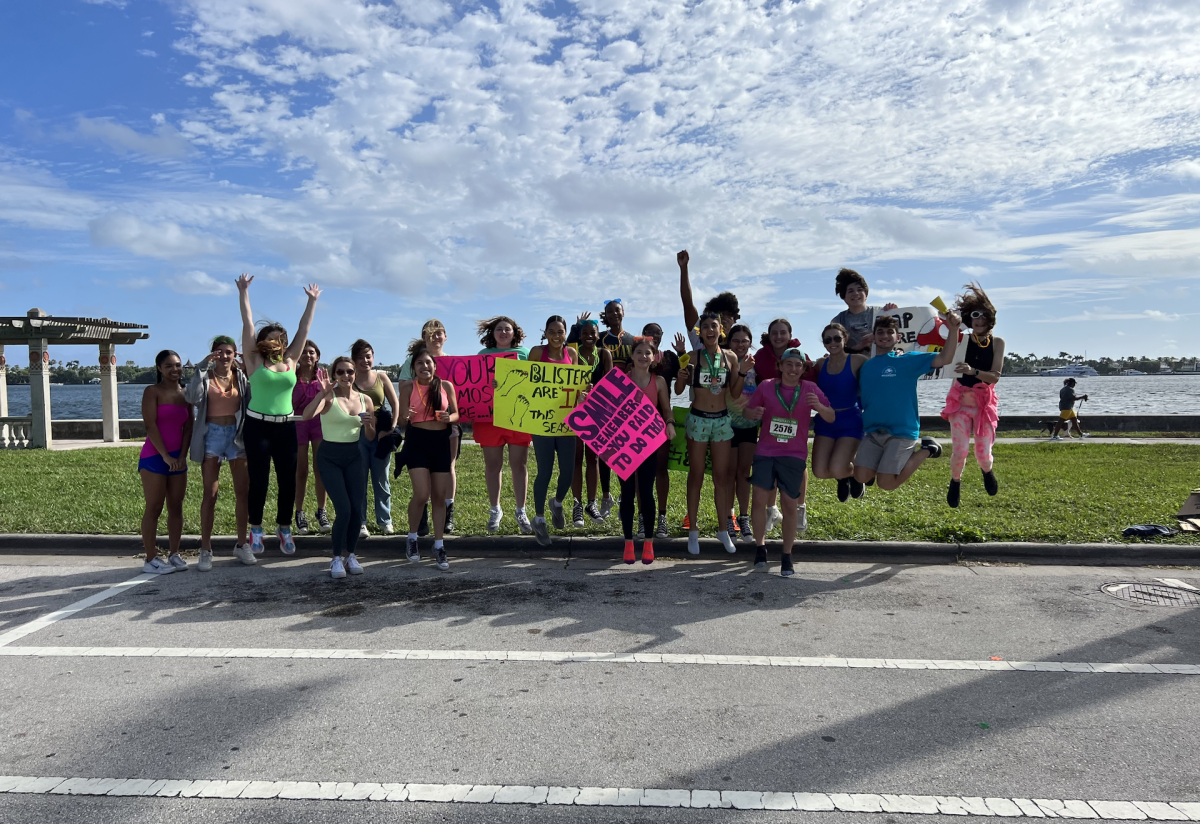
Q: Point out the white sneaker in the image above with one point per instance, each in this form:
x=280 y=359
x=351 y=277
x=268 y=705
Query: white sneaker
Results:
x=363 y=533
x=801 y=519
x=156 y=566
x=726 y=542
x=388 y=529
x=176 y=560
x=205 y=562
x=494 y=516
x=694 y=541
x=523 y=522
x=336 y=569
x=353 y=566
x=774 y=517
x=244 y=554
x=1055 y=438
x=606 y=507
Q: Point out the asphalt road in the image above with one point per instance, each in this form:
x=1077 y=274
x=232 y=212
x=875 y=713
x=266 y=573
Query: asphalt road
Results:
x=191 y=704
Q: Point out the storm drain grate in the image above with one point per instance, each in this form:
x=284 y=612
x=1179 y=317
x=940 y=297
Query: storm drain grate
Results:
x=1154 y=595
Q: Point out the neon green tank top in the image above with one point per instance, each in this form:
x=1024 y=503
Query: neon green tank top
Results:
x=338 y=425
x=271 y=392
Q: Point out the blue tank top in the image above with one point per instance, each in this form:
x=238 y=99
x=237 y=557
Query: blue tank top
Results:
x=842 y=388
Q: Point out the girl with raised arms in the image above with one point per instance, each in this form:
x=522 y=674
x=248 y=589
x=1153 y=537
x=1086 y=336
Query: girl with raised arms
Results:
x=836 y=443
x=546 y=448
x=501 y=336
x=167 y=416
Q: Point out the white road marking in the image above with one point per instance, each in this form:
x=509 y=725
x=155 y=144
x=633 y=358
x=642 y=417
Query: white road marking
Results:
x=68 y=611
x=608 y=797
x=1175 y=582
x=669 y=658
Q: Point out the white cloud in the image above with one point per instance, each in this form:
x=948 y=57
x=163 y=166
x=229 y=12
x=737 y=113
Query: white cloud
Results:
x=165 y=142
x=974 y=271
x=196 y=282
x=1148 y=314
x=162 y=240
x=147 y=53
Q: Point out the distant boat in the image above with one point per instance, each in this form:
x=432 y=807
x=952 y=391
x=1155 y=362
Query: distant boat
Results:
x=1074 y=370
x=1131 y=372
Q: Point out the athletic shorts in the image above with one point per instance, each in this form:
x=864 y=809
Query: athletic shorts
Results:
x=847 y=423
x=778 y=472
x=743 y=435
x=308 y=432
x=426 y=449
x=704 y=429
x=155 y=463
x=219 y=443
x=1067 y=414
x=884 y=452
x=488 y=434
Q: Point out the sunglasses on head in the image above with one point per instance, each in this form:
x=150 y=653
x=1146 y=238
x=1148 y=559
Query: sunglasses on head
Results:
x=614 y=300
x=838 y=339
x=590 y=322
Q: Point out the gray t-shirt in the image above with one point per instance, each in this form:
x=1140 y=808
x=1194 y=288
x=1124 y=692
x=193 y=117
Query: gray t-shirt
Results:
x=857 y=325
x=1066 y=398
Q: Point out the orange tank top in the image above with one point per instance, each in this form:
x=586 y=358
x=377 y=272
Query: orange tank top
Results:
x=221 y=403
x=419 y=412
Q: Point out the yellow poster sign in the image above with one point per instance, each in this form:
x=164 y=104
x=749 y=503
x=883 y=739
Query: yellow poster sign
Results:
x=535 y=397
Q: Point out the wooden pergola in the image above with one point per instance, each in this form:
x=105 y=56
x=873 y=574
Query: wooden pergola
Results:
x=38 y=331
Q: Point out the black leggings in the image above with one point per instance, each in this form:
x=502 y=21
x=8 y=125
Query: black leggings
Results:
x=266 y=442
x=545 y=448
x=643 y=478
x=341 y=468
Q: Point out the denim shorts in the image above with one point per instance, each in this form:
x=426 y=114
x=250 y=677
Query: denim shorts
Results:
x=219 y=443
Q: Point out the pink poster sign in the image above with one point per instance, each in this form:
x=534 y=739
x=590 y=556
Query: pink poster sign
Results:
x=472 y=377
x=619 y=423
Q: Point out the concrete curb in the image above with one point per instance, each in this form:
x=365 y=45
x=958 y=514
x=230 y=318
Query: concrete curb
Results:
x=880 y=552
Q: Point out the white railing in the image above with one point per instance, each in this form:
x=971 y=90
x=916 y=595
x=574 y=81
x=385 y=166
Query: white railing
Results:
x=14 y=432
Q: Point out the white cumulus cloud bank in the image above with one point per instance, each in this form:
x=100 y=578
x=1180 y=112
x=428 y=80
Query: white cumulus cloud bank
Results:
x=161 y=240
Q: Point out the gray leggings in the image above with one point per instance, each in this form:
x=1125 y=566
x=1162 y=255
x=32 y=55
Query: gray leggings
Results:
x=544 y=450
x=341 y=468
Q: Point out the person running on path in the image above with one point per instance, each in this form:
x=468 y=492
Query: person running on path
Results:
x=785 y=406
x=1067 y=398
x=836 y=443
x=269 y=433
x=429 y=405
x=167 y=416
x=858 y=318
x=745 y=434
x=893 y=449
x=308 y=386
x=667 y=365
x=500 y=336
x=346 y=414
x=971 y=405
x=219 y=391
x=640 y=484
x=546 y=448
x=714 y=375
x=601 y=360
x=376 y=385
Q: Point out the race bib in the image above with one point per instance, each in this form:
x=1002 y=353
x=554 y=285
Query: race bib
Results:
x=784 y=429
x=708 y=380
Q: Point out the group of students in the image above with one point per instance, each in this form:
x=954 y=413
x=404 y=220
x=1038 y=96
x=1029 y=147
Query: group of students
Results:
x=747 y=425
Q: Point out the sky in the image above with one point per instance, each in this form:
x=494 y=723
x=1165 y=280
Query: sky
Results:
x=421 y=158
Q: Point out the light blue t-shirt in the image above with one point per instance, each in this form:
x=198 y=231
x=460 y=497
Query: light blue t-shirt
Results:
x=888 y=384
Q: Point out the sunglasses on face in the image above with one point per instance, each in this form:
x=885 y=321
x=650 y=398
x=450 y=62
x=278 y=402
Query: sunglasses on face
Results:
x=831 y=340
x=348 y=372
x=979 y=314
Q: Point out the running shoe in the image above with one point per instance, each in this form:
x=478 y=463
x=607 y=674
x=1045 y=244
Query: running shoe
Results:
x=243 y=553
x=606 y=506
x=990 y=483
x=641 y=530
x=541 y=532
x=843 y=491
x=423 y=527
x=363 y=532
x=494 y=516
x=687 y=523
x=157 y=566
x=774 y=519
x=336 y=568
x=205 y=562
x=801 y=519
x=760 y=559
x=443 y=563
x=413 y=551
x=726 y=542
x=577 y=515
x=1085 y=434
x=593 y=511
x=953 y=493
x=1055 y=438
x=745 y=528
x=523 y=522
x=935 y=448
x=694 y=541
x=353 y=566
x=857 y=488
x=387 y=529
x=448 y=527
x=176 y=560
x=286 y=545
x=785 y=567
x=630 y=555
x=648 y=552
x=872 y=481
x=663 y=531
x=301 y=522
x=256 y=540
x=323 y=521
x=557 y=515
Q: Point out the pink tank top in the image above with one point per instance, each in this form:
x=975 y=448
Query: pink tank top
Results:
x=170 y=419
x=303 y=394
x=221 y=405
x=566 y=358
x=417 y=404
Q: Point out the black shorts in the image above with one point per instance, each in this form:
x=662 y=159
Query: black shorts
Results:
x=747 y=435
x=425 y=449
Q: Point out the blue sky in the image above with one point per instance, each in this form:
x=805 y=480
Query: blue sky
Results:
x=457 y=160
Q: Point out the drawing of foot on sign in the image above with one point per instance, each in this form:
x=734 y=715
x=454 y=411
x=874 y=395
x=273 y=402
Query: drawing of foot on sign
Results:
x=511 y=381
x=520 y=409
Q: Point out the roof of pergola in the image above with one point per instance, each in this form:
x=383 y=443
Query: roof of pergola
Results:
x=69 y=331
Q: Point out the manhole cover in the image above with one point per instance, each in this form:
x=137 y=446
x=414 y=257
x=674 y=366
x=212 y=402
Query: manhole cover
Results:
x=1154 y=595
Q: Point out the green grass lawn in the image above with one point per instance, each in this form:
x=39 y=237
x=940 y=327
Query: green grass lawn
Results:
x=1031 y=433
x=1049 y=492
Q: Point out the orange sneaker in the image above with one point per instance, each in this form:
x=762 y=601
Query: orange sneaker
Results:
x=648 y=552
x=630 y=557
x=687 y=522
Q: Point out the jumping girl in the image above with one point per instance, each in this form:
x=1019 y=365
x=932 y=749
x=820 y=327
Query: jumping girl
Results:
x=167 y=416
x=836 y=443
x=377 y=386
x=601 y=360
x=269 y=432
x=641 y=483
x=308 y=386
x=345 y=415
x=430 y=409
x=219 y=391
x=547 y=447
x=971 y=405
x=501 y=336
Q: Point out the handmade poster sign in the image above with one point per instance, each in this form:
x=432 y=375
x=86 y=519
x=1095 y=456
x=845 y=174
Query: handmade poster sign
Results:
x=923 y=329
x=619 y=423
x=535 y=397
x=472 y=377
